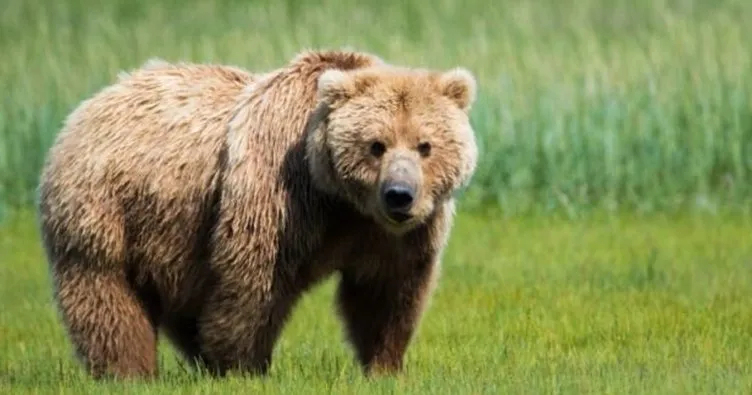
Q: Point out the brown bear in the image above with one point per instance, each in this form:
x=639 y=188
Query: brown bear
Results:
x=204 y=200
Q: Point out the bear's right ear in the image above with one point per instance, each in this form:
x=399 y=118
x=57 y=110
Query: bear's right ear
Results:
x=336 y=86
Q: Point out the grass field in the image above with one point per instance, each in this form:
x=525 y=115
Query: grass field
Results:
x=620 y=305
x=605 y=245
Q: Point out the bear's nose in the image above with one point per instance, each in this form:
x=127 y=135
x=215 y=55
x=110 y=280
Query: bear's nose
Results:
x=398 y=197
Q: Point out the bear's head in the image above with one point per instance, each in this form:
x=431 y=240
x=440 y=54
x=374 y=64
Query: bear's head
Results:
x=394 y=142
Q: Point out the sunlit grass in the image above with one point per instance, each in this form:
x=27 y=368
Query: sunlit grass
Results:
x=524 y=306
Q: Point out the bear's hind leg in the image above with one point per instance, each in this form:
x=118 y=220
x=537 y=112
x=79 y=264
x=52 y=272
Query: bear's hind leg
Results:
x=112 y=332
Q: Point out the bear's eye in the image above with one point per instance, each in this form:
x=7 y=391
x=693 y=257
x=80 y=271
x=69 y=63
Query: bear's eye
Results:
x=424 y=149
x=378 y=149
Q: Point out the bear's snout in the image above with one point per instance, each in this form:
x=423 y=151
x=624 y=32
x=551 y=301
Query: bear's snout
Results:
x=398 y=198
x=399 y=189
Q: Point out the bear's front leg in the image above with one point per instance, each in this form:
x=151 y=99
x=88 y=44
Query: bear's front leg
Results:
x=240 y=326
x=250 y=297
x=381 y=313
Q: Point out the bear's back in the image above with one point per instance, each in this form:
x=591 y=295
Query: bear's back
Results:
x=137 y=163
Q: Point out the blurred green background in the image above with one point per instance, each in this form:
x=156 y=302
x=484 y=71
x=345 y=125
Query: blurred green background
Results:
x=623 y=105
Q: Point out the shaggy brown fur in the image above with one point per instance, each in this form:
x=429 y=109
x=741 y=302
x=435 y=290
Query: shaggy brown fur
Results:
x=205 y=200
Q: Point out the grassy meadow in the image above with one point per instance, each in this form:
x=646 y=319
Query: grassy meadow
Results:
x=605 y=245
x=544 y=305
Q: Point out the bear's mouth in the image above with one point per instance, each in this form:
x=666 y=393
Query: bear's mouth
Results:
x=399 y=217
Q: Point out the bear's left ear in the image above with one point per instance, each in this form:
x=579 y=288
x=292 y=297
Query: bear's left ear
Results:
x=336 y=86
x=458 y=85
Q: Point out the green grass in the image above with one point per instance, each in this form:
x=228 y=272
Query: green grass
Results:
x=620 y=305
x=627 y=104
